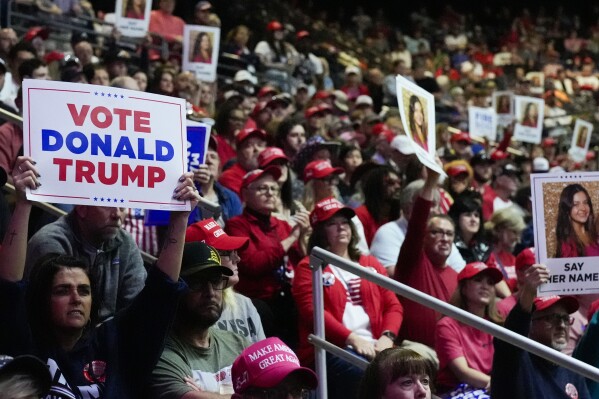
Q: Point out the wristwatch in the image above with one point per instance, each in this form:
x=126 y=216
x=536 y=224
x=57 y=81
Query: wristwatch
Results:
x=389 y=335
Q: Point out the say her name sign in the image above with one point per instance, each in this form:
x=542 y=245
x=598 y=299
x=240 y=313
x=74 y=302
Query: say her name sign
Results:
x=104 y=146
x=564 y=203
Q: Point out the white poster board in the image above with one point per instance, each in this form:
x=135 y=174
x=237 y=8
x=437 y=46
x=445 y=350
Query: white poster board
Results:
x=417 y=110
x=132 y=17
x=581 y=139
x=503 y=104
x=200 y=51
x=530 y=113
x=482 y=122
x=104 y=146
x=561 y=201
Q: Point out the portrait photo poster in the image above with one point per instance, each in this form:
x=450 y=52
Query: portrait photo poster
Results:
x=132 y=17
x=581 y=139
x=200 y=51
x=503 y=104
x=562 y=203
x=417 y=111
x=530 y=112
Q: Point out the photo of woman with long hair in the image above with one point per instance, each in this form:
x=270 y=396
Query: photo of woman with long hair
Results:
x=531 y=115
x=202 y=49
x=576 y=233
x=583 y=134
x=417 y=122
x=135 y=9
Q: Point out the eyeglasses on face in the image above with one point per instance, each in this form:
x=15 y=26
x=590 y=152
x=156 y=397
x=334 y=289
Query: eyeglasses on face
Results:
x=438 y=233
x=263 y=189
x=554 y=320
x=217 y=283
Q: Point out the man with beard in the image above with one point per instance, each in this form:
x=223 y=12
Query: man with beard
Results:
x=197 y=358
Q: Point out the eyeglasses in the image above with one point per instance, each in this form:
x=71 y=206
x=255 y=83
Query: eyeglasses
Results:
x=437 y=233
x=217 y=283
x=555 y=320
x=277 y=393
x=267 y=189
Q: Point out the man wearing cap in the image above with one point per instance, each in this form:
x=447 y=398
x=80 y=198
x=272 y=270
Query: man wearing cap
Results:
x=461 y=145
x=23 y=377
x=203 y=14
x=498 y=195
x=266 y=264
x=422 y=263
x=482 y=166
x=519 y=374
x=365 y=105
x=250 y=143
x=270 y=369
x=353 y=86
x=194 y=350
x=239 y=314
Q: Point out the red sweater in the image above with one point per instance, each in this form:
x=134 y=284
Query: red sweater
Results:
x=232 y=178
x=415 y=269
x=380 y=304
x=261 y=260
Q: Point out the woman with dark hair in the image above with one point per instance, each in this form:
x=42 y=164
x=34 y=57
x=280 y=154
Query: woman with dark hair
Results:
x=291 y=135
x=398 y=373
x=202 y=49
x=466 y=353
x=135 y=9
x=229 y=120
x=466 y=213
x=350 y=158
x=417 y=121
x=381 y=187
x=359 y=315
x=531 y=115
x=164 y=82
x=576 y=233
x=53 y=314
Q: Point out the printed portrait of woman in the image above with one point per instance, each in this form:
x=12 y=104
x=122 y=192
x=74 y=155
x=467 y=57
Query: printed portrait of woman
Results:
x=134 y=9
x=202 y=49
x=417 y=122
x=576 y=233
x=504 y=103
x=530 y=117
x=583 y=134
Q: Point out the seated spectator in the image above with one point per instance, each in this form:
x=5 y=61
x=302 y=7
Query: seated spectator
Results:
x=250 y=143
x=164 y=82
x=266 y=264
x=236 y=43
x=350 y=158
x=466 y=353
x=422 y=264
x=206 y=179
x=11 y=144
x=229 y=121
x=164 y=23
x=290 y=137
x=278 y=56
x=203 y=14
x=53 y=315
x=280 y=376
x=239 y=314
x=96 y=74
x=498 y=195
x=517 y=373
x=459 y=176
x=24 y=377
x=196 y=356
x=398 y=373
x=8 y=38
x=353 y=86
x=20 y=52
x=359 y=315
x=466 y=212
x=34 y=69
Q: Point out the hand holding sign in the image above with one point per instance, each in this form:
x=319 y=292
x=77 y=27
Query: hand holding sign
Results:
x=25 y=175
x=187 y=191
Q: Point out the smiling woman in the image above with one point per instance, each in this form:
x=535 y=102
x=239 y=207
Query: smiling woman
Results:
x=576 y=233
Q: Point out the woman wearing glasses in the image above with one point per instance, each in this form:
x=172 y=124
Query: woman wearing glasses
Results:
x=359 y=315
x=466 y=353
x=54 y=314
x=266 y=265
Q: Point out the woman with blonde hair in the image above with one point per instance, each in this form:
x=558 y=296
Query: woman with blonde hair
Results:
x=466 y=353
x=505 y=228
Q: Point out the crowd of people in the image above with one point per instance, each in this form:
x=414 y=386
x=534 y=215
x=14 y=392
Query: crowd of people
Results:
x=308 y=149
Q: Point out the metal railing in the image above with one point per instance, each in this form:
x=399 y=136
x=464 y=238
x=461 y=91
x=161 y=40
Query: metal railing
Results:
x=320 y=257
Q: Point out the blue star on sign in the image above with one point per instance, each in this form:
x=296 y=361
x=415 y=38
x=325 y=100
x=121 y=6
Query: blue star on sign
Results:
x=122 y=200
x=95 y=198
x=102 y=199
x=102 y=94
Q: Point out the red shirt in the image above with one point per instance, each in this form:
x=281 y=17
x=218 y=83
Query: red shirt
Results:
x=232 y=178
x=261 y=261
x=453 y=340
x=370 y=225
x=11 y=141
x=380 y=304
x=167 y=25
x=225 y=150
x=415 y=269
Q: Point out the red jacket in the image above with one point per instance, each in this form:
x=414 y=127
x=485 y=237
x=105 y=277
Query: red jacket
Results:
x=262 y=259
x=380 y=304
x=232 y=178
x=415 y=269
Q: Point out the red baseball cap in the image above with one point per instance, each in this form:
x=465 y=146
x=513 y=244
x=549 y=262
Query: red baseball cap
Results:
x=32 y=33
x=525 y=259
x=323 y=95
x=270 y=154
x=476 y=268
x=326 y=108
x=319 y=169
x=259 y=107
x=461 y=136
x=274 y=25
x=310 y=112
x=265 y=364
x=246 y=133
x=301 y=34
x=327 y=208
x=545 y=302
x=498 y=155
x=266 y=90
x=548 y=142
x=458 y=169
x=255 y=174
x=210 y=232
